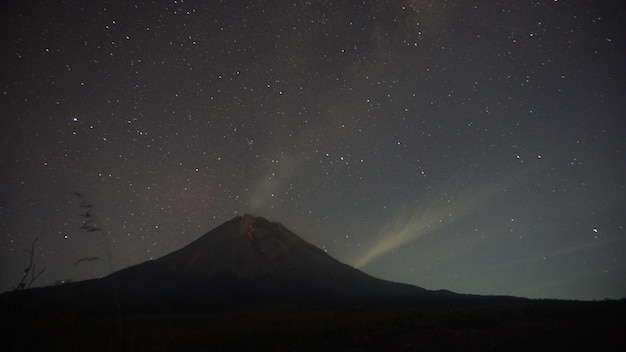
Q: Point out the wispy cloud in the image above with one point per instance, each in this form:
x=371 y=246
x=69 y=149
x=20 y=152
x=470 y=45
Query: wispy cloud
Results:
x=456 y=199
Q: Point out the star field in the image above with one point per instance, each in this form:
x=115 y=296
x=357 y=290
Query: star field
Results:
x=471 y=146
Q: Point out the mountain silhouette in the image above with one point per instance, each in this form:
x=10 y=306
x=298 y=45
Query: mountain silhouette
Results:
x=251 y=285
x=245 y=261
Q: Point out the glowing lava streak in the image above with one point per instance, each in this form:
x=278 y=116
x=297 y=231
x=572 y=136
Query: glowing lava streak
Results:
x=251 y=229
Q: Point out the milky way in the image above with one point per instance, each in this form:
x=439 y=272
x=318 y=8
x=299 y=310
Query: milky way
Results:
x=471 y=146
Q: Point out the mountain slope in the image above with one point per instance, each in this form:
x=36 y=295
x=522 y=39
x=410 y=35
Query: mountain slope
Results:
x=245 y=261
x=251 y=285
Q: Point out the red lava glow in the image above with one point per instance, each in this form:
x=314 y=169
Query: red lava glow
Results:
x=251 y=229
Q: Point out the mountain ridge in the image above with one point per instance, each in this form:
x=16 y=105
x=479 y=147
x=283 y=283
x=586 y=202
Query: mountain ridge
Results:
x=247 y=260
x=251 y=284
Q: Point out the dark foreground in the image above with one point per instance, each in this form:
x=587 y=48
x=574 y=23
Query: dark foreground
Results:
x=490 y=324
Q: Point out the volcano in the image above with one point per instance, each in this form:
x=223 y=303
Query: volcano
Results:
x=245 y=261
x=251 y=284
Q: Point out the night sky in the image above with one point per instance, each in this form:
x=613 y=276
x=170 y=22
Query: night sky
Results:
x=474 y=146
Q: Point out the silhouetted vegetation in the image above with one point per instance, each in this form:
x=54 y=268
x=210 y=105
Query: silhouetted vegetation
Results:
x=91 y=224
x=30 y=274
x=491 y=324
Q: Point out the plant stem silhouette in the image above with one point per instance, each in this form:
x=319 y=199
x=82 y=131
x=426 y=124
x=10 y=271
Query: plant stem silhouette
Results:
x=90 y=224
x=30 y=269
